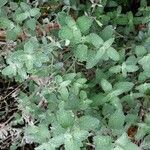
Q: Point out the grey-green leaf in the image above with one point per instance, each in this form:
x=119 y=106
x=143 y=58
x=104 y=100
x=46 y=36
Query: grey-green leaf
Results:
x=9 y=70
x=103 y=142
x=31 y=24
x=116 y=120
x=106 y=86
x=94 y=39
x=84 y=23
x=113 y=54
x=115 y=69
x=6 y=23
x=3 y=2
x=140 y=50
x=81 y=52
x=66 y=33
x=22 y=16
x=84 y=123
x=124 y=86
x=107 y=33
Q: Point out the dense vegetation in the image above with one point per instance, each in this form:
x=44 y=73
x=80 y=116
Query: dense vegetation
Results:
x=75 y=74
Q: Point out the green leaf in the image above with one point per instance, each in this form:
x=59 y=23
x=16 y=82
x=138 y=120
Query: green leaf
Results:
x=140 y=50
x=73 y=141
x=142 y=130
x=13 y=33
x=22 y=73
x=107 y=33
x=70 y=22
x=143 y=88
x=108 y=43
x=145 y=62
x=115 y=69
x=84 y=123
x=61 y=17
x=29 y=47
x=38 y=134
x=35 y=11
x=97 y=99
x=70 y=76
x=124 y=86
x=65 y=118
x=24 y=6
x=94 y=58
x=70 y=143
x=94 y=39
x=52 y=144
x=103 y=142
x=106 y=86
x=132 y=68
x=66 y=33
x=13 y=5
x=6 y=23
x=81 y=52
x=91 y=62
x=113 y=54
x=76 y=35
x=64 y=93
x=65 y=83
x=21 y=17
x=9 y=70
x=116 y=120
x=31 y=24
x=3 y=2
x=29 y=60
x=123 y=143
x=111 y=96
x=81 y=81
x=84 y=23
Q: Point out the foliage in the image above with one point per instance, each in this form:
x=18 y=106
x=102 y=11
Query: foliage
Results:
x=65 y=106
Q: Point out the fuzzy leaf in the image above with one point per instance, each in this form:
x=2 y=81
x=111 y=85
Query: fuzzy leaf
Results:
x=22 y=16
x=81 y=52
x=9 y=70
x=145 y=62
x=94 y=39
x=66 y=33
x=65 y=118
x=106 y=86
x=103 y=142
x=91 y=62
x=107 y=33
x=124 y=86
x=29 y=47
x=84 y=23
x=125 y=144
x=38 y=134
x=6 y=23
x=31 y=24
x=84 y=123
x=140 y=50
x=113 y=54
x=70 y=143
x=116 y=120
x=115 y=69
x=143 y=87
x=132 y=68
x=52 y=144
x=3 y=2
x=35 y=11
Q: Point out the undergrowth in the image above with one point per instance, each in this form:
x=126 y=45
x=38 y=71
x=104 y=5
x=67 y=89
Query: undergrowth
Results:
x=81 y=74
